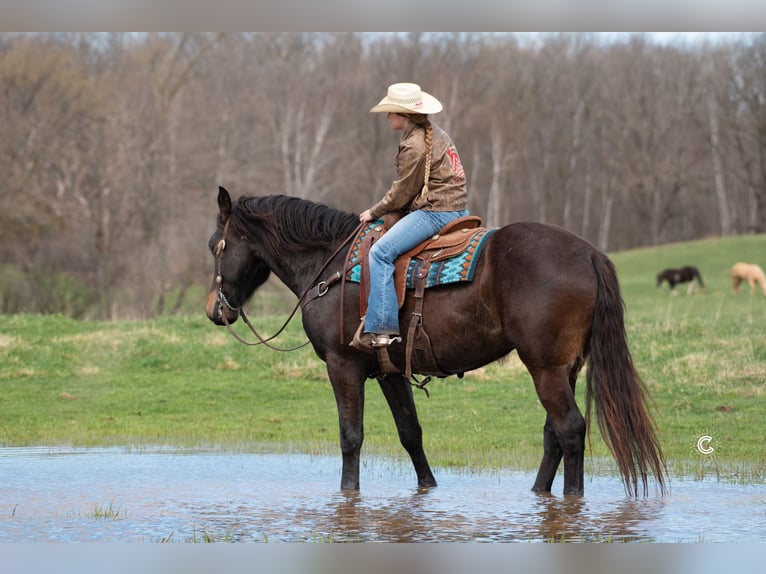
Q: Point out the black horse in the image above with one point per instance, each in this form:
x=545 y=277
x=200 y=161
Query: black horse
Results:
x=682 y=275
x=538 y=289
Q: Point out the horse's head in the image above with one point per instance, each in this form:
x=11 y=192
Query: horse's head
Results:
x=237 y=271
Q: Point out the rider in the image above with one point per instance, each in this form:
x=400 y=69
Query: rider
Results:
x=430 y=187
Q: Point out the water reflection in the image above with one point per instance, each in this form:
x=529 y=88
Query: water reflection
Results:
x=424 y=516
x=577 y=519
x=209 y=496
x=419 y=516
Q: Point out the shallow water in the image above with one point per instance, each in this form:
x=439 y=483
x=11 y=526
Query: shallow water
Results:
x=156 y=495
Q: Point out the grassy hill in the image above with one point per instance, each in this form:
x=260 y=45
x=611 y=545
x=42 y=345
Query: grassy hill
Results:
x=703 y=354
x=638 y=268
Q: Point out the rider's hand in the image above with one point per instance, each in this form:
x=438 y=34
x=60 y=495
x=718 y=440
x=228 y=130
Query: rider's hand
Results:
x=365 y=216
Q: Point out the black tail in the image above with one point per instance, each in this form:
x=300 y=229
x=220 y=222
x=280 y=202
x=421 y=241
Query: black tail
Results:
x=619 y=393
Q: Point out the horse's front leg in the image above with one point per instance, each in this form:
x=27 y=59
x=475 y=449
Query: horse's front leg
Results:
x=347 y=381
x=398 y=393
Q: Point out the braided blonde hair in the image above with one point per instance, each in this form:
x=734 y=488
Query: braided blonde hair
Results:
x=422 y=121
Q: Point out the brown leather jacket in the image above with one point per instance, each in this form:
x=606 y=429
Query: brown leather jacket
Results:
x=446 y=183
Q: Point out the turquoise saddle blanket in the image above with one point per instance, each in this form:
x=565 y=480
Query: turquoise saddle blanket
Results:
x=455 y=269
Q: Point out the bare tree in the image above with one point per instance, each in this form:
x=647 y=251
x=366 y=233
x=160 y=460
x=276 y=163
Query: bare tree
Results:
x=113 y=144
x=716 y=151
x=749 y=134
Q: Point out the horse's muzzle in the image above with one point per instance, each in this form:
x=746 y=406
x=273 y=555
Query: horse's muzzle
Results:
x=215 y=309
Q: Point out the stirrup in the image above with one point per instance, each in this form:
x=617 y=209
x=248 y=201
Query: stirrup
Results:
x=384 y=340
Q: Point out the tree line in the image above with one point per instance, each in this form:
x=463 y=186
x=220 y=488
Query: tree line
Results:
x=114 y=144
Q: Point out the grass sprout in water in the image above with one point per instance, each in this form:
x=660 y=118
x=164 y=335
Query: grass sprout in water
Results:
x=99 y=512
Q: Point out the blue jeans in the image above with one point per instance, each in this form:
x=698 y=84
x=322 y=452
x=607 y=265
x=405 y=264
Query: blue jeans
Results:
x=414 y=228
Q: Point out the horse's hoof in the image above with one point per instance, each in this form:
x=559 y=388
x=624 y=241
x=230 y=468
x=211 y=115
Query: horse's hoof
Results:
x=427 y=483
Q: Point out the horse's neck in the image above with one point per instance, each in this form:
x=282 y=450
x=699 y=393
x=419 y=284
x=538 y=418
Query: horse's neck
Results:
x=301 y=269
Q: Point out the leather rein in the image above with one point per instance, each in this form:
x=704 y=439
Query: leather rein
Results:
x=319 y=289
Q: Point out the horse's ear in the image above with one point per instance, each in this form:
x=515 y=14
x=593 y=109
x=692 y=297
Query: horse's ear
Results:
x=224 y=201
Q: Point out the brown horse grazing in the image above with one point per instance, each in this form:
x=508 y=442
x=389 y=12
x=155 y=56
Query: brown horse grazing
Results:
x=749 y=272
x=538 y=289
x=682 y=275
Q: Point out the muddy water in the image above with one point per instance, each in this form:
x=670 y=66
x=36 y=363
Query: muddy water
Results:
x=155 y=495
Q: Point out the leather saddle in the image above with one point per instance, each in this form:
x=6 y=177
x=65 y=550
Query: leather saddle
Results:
x=451 y=241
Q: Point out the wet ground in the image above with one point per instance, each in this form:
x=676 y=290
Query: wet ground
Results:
x=159 y=495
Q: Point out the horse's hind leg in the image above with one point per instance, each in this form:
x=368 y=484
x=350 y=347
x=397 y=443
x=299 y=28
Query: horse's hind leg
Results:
x=552 y=454
x=398 y=393
x=564 y=432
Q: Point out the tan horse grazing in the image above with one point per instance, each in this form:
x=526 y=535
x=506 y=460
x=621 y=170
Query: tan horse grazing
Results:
x=749 y=272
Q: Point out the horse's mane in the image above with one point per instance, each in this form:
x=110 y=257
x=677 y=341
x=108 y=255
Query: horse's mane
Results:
x=288 y=223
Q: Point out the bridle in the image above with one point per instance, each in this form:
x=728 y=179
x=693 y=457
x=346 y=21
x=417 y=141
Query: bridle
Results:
x=319 y=289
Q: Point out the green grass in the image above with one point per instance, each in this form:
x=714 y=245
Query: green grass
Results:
x=703 y=355
x=108 y=512
x=181 y=381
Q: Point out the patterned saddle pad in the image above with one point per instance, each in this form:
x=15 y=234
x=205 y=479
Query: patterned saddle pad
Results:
x=460 y=267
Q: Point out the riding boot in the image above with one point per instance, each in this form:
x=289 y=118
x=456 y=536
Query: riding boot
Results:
x=370 y=342
x=362 y=341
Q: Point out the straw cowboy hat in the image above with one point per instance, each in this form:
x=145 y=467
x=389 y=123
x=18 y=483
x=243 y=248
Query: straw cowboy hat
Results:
x=407 y=99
